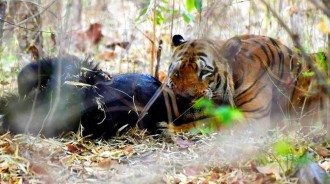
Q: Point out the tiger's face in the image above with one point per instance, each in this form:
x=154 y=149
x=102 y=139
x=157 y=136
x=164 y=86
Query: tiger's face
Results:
x=201 y=68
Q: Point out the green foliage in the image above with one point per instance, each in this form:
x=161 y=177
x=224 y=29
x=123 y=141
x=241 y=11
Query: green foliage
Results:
x=288 y=156
x=164 y=14
x=284 y=157
x=226 y=115
x=190 y=5
x=206 y=104
x=194 y=4
x=282 y=148
x=187 y=17
x=223 y=116
x=8 y=59
x=308 y=73
x=198 y=5
x=161 y=12
x=7 y=68
x=321 y=62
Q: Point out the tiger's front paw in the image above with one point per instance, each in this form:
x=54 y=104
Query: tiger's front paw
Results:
x=169 y=129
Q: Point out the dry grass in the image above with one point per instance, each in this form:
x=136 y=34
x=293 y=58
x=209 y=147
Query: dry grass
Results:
x=225 y=157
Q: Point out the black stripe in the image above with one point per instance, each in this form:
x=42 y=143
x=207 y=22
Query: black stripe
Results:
x=202 y=60
x=261 y=109
x=180 y=54
x=281 y=56
x=225 y=85
x=209 y=67
x=201 y=54
x=265 y=51
x=238 y=83
x=254 y=97
x=254 y=83
x=296 y=81
x=266 y=110
x=271 y=63
x=219 y=82
x=252 y=110
x=247 y=89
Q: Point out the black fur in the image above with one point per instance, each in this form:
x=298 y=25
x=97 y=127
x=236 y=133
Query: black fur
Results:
x=57 y=94
x=177 y=40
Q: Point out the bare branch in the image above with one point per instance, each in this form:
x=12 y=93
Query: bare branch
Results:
x=318 y=4
x=159 y=52
x=33 y=16
x=295 y=39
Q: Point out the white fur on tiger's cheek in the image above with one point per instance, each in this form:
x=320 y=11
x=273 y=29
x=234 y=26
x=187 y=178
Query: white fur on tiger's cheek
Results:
x=206 y=75
x=208 y=93
x=169 y=83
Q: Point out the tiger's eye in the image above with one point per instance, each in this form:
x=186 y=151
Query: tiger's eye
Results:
x=176 y=74
x=204 y=72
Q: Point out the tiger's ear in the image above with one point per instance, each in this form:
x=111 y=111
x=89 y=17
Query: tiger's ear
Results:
x=177 y=40
x=231 y=48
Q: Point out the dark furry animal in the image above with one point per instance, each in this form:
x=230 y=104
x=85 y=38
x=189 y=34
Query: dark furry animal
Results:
x=58 y=94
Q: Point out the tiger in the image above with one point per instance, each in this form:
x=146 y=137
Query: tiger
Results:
x=257 y=74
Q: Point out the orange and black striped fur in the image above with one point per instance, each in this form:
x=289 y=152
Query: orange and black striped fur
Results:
x=258 y=74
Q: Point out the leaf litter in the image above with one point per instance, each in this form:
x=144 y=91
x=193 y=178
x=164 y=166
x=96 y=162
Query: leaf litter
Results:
x=233 y=156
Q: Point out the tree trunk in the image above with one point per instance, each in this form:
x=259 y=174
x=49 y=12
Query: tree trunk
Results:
x=326 y=3
x=3 y=6
x=27 y=20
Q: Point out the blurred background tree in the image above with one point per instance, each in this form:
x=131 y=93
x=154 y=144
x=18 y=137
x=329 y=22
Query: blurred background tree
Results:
x=124 y=35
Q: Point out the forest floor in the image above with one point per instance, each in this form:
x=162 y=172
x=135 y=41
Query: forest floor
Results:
x=235 y=156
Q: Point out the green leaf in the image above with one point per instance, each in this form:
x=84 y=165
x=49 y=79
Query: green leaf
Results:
x=159 y=18
x=204 y=102
x=164 y=9
x=283 y=148
x=198 y=5
x=175 y=12
x=187 y=17
x=190 y=5
x=227 y=115
x=321 y=56
x=308 y=73
x=142 y=13
x=321 y=61
x=303 y=160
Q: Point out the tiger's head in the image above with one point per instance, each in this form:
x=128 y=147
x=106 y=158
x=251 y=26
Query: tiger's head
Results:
x=202 y=68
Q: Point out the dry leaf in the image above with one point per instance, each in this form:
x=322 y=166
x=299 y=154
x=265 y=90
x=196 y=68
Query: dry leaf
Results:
x=72 y=148
x=129 y=148
x=272 y=168
x=183 y=143
x=106 y=163
x=322 y=151
x=106 y=56
x=265 y=178
x=68 y=160
x=38 y=168
x=193 y=170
